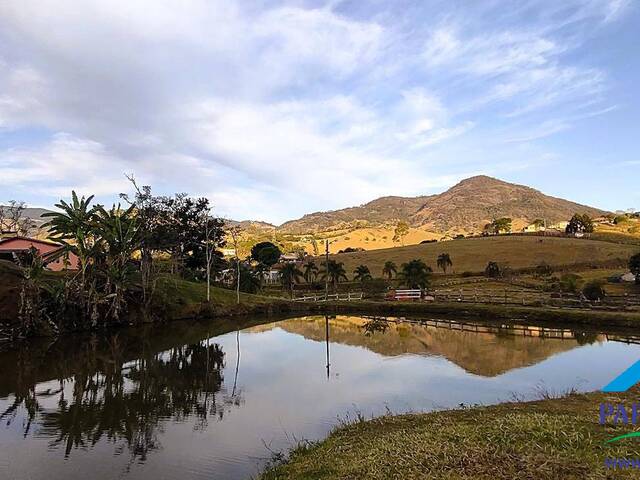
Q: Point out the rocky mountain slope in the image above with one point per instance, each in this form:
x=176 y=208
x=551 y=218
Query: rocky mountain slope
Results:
x=466 y=207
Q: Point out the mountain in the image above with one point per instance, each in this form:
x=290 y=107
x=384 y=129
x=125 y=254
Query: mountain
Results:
x=33 y=214
x=465 y=207
x=475 y=201
x=382 y=211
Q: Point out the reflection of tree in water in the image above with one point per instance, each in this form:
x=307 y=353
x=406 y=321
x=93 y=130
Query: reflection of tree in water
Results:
x=127 y=403
x=375 y=324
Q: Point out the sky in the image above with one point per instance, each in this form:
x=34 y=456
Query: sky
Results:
x=277 y=109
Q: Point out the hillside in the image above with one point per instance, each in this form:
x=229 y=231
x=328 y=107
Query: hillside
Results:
x=382 y=211
x=464 y=208
x=473 y=254
x=472 y=203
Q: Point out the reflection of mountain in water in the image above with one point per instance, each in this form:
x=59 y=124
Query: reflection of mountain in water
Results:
x=486 y=354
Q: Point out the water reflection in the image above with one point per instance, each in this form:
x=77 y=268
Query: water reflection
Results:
x=174 y=402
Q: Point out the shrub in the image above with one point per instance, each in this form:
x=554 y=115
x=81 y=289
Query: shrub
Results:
x=569 y=283
x=467 y=274
x=594 y=290
x=428 y=241
x=493 y=270
x=374 y=287
x=544 y=270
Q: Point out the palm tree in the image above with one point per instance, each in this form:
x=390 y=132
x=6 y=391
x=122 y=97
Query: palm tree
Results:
x=416 y=274
x=389 y=269
x=289 y=276
x=335 y=272
x=444 y=262
x=310 y=271
x=362 y=273
x=117 y=235
x=73 y=228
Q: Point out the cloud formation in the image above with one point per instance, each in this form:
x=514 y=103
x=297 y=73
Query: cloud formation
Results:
x=273 y=111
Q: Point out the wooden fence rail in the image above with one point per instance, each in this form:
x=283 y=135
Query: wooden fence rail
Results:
x=348 y=297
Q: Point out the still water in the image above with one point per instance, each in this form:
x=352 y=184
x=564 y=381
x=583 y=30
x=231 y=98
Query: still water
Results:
x=214 y=400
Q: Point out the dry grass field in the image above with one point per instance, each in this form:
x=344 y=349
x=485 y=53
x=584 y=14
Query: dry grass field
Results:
x=473 y=254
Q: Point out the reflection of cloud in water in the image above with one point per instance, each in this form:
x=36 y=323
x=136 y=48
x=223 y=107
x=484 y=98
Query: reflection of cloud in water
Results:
x=151 y=396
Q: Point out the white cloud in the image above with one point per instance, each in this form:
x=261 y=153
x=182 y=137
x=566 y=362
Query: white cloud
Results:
x=262 y=107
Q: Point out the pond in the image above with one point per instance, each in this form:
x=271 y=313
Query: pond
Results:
x=217 y=400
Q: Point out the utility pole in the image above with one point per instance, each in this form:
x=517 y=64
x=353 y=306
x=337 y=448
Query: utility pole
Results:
x=326 y=271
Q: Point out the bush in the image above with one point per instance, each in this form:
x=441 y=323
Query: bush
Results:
x=544 y=270
x=569 y=283
x=375 y=287
x=594 y=290
x=467 y=274
x=493 y=270
x=428 y=241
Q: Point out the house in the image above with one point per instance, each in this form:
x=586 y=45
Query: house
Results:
x=534 y=227
x=560 y=226
x=289 y=257
x=228 y=252
x=53 y=254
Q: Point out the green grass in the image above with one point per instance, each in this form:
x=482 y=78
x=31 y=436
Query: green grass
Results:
x=178 y=290
x=473 y=254
x=548 y=439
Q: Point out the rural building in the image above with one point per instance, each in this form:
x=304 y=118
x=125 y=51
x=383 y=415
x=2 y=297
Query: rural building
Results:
x=52 y=253
x=228 y=252
x=289 y=257
x=534 y=228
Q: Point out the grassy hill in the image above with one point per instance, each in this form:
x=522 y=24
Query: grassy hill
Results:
x=473 y=254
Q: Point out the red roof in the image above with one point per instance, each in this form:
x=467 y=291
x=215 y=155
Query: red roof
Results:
x=28 y=239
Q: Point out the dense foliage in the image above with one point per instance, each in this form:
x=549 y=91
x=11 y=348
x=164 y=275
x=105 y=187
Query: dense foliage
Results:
x=120 y=252
x=580 y=224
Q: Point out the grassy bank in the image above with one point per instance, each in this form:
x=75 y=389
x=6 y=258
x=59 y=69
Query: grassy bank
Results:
x=547 y=439
x=491 y=312
x=180 y=299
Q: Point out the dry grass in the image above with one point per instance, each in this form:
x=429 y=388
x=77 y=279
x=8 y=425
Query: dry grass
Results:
x=549 y=439
x=473 y=254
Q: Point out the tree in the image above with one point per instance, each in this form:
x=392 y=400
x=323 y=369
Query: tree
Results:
x=634 y=266
x=310 y=271
x=73 y=228
x=361 y=273
x=234 y=232
x=266 y=253
x=594 y=290
x=415 y=274
x=289 y=276
x=13 y=219
x=389 y=269
x=444 y=262
x=116 y=234
x=500 y=225
x=579 y=224
x=246 y=279
x=402 y=229
x=493 y=270
x=334 y=271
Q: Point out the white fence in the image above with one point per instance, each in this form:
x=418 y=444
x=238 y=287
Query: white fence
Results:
x=333 y=297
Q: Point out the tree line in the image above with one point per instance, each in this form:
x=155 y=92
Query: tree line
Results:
x=122 y=252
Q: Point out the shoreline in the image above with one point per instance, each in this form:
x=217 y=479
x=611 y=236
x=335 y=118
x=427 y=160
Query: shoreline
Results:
x=544 y=439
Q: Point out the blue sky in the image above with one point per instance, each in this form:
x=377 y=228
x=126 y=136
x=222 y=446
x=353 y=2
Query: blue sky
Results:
x=276 y=109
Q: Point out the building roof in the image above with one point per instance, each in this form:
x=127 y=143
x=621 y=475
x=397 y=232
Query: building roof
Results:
x=29 y=239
